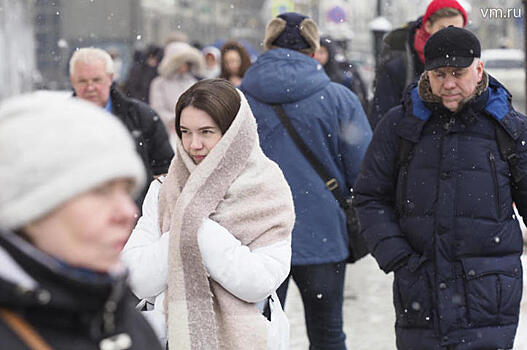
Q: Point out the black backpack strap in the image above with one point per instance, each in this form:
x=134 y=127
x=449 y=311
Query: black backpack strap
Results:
x=405 y=155
x=507 y=147
x=330 y=181
x=405 y=151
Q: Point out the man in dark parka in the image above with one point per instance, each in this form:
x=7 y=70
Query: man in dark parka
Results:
x=91 y=75
x=442 y=219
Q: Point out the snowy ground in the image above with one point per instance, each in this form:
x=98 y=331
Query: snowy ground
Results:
x=368 y=310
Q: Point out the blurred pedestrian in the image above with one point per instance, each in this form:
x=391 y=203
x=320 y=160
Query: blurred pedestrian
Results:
x=117 y=65
x=67 y=169
x=177 y=72
x=143 y=71
x=331 y=122
x=403 y=54
x=176 y=37
x=435 y=201
x=212 y=56
x=235 y=61
x=91 y=74
x=216 y=231
x=341 y=72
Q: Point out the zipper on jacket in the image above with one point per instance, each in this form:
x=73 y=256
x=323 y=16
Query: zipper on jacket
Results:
x=498 y=293
x=492 y=161
x=448 y=125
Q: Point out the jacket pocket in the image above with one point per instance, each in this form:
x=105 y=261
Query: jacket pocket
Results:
x=493 y=289
x=413 y=298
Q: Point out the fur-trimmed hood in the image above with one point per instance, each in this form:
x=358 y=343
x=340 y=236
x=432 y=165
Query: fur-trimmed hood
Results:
x=178 y=53
x=284 y=76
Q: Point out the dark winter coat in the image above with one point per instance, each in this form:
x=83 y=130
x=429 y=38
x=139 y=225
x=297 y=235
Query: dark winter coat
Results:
x=149 y=134
x=344 y=73
x=70 y=309
x=331 y=121
x=138 y=84
x=449 y=229
x=399 y=67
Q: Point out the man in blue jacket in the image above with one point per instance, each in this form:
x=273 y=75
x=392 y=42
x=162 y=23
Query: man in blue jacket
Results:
x=435 y=196
x=331 y=121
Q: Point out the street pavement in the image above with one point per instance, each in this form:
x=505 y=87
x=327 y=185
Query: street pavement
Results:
x=368 y=310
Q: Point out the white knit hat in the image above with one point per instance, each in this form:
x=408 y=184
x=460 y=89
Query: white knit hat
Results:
x=53 y=148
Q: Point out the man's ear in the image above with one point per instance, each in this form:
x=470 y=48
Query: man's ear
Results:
x=428 y=26
x=480 y=66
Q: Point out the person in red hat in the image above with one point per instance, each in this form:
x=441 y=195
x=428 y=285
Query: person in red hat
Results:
x=402 y=60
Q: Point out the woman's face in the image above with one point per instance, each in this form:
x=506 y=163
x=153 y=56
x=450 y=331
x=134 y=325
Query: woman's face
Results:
x=199 y=133
x=233 y=61
x=440 y=23
x=90 y=230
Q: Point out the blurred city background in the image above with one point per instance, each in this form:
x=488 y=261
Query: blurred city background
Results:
x=37 y=37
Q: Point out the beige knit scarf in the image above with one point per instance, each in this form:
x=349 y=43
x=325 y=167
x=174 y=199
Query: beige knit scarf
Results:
x=237 y=186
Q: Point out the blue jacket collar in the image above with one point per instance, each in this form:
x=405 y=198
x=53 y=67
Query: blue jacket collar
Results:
x=284 y=76
x=494 y=102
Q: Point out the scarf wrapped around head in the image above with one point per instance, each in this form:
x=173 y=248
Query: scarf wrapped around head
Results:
x=237 y=186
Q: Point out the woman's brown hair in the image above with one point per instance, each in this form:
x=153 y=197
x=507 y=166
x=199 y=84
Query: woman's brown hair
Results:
x=244 y=55
x=218 y=97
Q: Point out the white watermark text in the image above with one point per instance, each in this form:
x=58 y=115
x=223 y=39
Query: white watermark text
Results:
x=500 y=13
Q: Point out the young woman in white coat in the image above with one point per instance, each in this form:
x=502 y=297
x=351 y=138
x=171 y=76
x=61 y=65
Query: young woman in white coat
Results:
x=214 y=241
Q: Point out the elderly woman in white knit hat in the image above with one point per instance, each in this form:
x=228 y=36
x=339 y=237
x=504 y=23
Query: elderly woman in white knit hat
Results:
x=67 y=171
x=214 y=241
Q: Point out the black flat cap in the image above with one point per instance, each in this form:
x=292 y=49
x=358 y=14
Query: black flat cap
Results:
x=451 y=47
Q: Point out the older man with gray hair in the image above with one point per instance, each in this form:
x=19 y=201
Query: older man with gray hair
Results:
x=435 y=200
x=91 y=75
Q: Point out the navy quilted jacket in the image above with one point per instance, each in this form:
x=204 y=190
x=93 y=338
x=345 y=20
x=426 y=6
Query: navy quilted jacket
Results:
x=448 y=230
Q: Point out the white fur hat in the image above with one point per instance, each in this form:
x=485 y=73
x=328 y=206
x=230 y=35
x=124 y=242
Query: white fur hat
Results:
x=178 y=53
x=53 y=148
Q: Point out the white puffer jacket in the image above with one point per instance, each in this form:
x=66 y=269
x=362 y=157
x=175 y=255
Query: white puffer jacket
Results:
x=252 y=276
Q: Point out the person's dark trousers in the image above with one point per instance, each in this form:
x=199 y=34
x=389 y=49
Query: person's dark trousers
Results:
x=322 y=289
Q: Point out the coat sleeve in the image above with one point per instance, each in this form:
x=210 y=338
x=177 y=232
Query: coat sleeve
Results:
x=146 y=252
x=375 y=199
x=249 y=275
x=519 y=190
